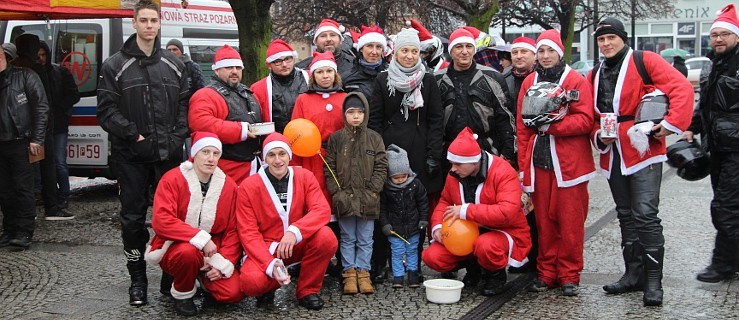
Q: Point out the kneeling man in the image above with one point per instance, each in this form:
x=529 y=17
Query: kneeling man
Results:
x=482 y=188
x=282 y=216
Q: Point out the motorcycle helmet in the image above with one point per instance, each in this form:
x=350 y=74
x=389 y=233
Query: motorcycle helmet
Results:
x=653 y=107
x=688 y=158
x=544 y=103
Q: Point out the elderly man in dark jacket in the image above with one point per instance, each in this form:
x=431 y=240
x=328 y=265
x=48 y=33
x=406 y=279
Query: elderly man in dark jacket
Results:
x=143 y=97
x=23 y=121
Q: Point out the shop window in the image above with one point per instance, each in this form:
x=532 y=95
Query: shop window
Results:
x=654 y=44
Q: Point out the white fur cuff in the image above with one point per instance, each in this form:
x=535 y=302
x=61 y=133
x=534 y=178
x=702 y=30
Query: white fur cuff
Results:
x=244 y=131
x=200 y=239
x=463 y=211
x=221 y=264
x=296 y=231
x=183 y=295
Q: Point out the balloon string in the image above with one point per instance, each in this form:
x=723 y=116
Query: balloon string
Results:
x=329 y=170
x=397 y=235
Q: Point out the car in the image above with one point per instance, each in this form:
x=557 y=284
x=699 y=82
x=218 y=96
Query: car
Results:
x=583 y=66
x=695 y=65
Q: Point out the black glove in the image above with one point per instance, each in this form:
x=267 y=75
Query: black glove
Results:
x=423 y=224
x=432 y=166
x=387 y=230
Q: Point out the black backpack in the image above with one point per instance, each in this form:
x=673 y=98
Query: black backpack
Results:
x=639 y=61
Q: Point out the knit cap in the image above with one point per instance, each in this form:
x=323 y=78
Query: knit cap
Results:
x=611 y=26
x=407 y=37
x=397 y=161
x=176 y=43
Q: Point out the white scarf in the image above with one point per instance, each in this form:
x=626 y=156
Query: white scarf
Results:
x=408 y=81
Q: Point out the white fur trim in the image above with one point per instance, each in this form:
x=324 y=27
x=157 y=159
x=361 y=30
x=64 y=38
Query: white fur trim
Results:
x=638 y=136
x=372 y=37
x=200 y=239
x=296 y=231
x=327 y=28
x=523 y=45
x=271 y=268
x=199 y=209
x=463 y=211
x=436 y=227
x=227 y=63
x=552 y=44
x=276 y=144
x=183 y=295
x=205 y=142
x=282 y=54
x=186 y=165
x=244 y=131
x=723 y=24
x=671 y=127
x=322 y=63
x=221 y=264
x=154 y=257
x=462 y=40
x=462 y=159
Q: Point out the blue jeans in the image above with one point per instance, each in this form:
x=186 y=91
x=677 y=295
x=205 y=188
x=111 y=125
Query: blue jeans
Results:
x=399 y=248
x=356 y=242
x=62 y=171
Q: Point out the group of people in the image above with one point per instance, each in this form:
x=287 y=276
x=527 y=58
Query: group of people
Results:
x=409 y=142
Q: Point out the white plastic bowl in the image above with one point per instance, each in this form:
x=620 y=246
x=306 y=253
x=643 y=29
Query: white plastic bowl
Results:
x=443 y=290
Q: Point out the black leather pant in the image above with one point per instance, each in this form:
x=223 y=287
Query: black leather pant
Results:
x=16 y=188
x=725 y=210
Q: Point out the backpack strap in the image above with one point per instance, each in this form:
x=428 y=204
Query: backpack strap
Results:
x=639 y=61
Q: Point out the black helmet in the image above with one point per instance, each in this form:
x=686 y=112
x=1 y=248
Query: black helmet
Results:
x=653 y=107
x=544 y=102
x=688 y=158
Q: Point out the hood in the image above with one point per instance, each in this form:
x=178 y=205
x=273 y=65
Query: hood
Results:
x=366 y=109
x=131 y=48
x=45 y=46
x=27 y=45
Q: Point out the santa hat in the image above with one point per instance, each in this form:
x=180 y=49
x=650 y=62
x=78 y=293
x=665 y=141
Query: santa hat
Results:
x=322 y=59
x=200 y=140
x=478 y=35
x=727 y=19
x=461 y=35
x=552 y=39
x=371 y=34
x=464 y=148
x=275 y=140
x=279 y=49
x=227 y=57
x=327 y=25
x=423 y=34
x=525 y=43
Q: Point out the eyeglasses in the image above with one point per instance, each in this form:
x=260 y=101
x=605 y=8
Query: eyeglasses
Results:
x=722 y=35
x=281 y=61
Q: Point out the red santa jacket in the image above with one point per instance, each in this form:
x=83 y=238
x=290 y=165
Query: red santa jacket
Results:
x=570 y=147
x=629 y=91
x=325 y=111
x=262 y=221
x=262 y=90
x=497 y=207
x=182 y=215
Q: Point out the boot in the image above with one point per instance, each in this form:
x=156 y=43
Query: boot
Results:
x=379 y=274
x=185 y=307
x=365 y=283
x=413 y=279
x=653 y=258
x=350 y=281
x=165 y=285
x=494 y=282
x=632 y=278
x=139 y=283
x=721 y=267
x=473 y=275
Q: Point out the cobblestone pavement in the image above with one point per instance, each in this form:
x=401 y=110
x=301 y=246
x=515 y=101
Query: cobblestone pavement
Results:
x=75 y=270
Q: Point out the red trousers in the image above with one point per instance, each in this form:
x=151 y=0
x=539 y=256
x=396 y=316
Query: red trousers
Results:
x=490 y=250
x=237 y=170
x=313 y=253
x=183 y=262
x=560 y=220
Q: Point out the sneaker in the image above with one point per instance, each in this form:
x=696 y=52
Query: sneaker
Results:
x=59 y=215
x=537 y=286
x=397 y=282
x=413 y=281
x=22 y=240
x=5 y=239
x=570 y=289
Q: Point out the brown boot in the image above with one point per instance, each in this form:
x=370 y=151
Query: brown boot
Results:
x=350 y=281
x=365 y=283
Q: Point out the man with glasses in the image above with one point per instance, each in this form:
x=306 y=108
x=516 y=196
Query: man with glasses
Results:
x=717 y=122
x=278 y=91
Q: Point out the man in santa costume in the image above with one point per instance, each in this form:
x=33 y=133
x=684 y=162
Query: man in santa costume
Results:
x=482 y=188
x=556 y=161
x=227 y=107
x=328 y=38
x=195 y=224
x=635 y=177
x=277 y=92
x=281 y=217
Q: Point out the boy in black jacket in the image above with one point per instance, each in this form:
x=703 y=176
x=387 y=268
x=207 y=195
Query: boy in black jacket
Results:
x=404 y=211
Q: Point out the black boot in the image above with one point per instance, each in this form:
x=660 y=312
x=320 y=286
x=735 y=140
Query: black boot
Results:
x=653 y=258
x=185 y=307
x=379 y=274
x=473 y=275
x=494 y=282
x=165 y=285
x=721 y=267
x=632 y=278
x=139 y=283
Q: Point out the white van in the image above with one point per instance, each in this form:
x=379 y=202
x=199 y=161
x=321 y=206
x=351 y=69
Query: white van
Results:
x=82 y=45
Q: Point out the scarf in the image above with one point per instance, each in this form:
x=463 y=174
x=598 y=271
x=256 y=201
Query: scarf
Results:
x=524 y=74
x=408 y=81
x=370 y=65
x=316 y=88
x=398 y=187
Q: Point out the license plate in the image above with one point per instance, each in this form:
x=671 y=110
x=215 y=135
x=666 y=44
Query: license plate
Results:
x=83 y=151
x=87 y=145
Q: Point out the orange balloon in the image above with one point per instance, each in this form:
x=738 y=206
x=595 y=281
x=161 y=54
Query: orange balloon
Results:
x=459 y=237
x=303 y=137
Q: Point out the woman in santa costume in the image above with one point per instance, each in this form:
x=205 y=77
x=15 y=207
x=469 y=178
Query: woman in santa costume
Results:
x=322 y=105
x=282 y=217
x=556 y=163
x=195 y=227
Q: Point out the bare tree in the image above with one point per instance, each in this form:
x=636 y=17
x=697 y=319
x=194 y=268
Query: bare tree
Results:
x=476 y=13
